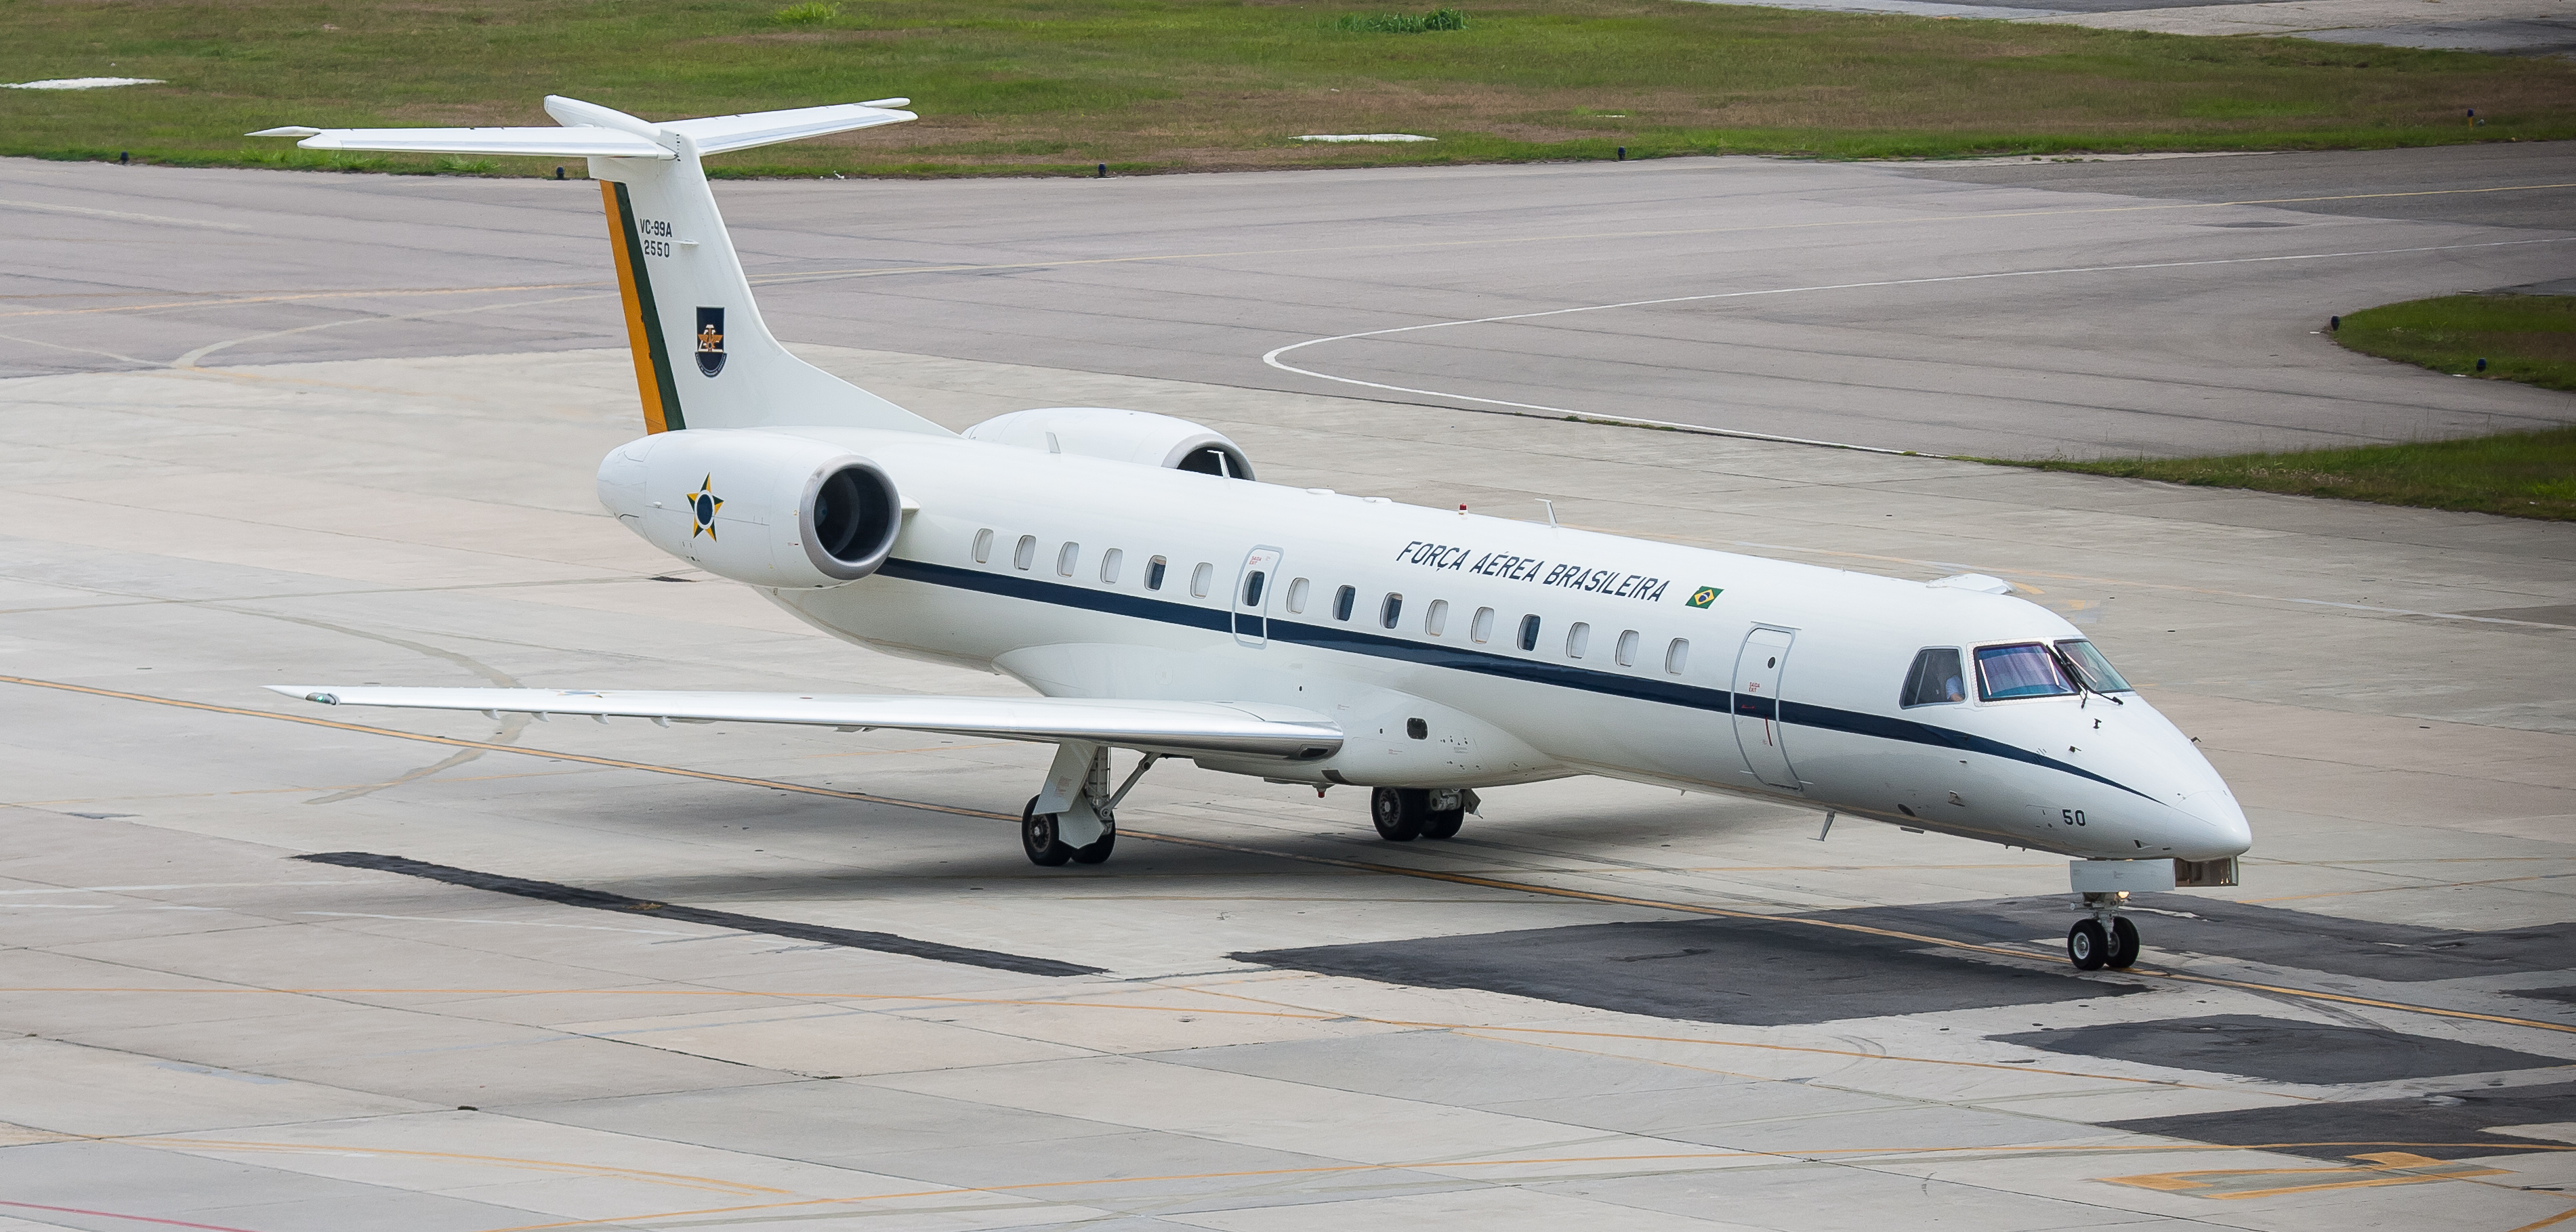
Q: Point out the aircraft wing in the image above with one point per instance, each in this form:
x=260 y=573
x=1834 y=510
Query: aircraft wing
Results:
x=1181 y=728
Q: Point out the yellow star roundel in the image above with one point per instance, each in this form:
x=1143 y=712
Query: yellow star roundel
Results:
x=703 y=504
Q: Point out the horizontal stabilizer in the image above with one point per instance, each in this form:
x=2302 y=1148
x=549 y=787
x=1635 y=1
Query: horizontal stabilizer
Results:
x=717 y=134
x=1183 y=728
x=592 y=131
x=585 y=142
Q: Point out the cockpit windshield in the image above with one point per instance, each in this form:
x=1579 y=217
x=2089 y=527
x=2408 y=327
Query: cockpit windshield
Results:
x=2026 y=670
x=2096 y=670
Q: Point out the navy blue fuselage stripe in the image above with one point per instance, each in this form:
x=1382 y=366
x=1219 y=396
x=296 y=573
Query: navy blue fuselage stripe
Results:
x=1563 y=675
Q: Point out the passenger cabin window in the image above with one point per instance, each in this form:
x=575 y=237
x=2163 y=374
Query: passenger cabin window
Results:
x=1390 y=610
x=1435 y=619
x=1529 y=632
x=1154 y=573
x=1200 y=578
x=1935 y=679
x=1109 y=562
x=983 y=545
x=1252 y=588
x=1578 y=638
x=1677 y=655
x=1025 y=552
x=2096 y=670
x=2026 y=670
x=1481 y=629
x=1626 y=653
x=1297 y=595
x=1066 y=557
x=1343 y=599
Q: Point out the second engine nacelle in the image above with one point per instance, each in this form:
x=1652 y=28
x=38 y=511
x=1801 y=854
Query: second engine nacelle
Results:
x=759 y=507
x=1141 y=437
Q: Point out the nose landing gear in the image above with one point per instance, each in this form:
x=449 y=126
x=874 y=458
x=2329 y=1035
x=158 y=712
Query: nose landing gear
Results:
x=2106 y=939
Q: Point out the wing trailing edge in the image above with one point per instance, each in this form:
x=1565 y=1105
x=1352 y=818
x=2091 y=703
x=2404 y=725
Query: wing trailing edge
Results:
x=1187 y=729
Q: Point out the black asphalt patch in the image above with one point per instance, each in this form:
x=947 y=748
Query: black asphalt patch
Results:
x=573 y=896
x=2272 y=935
x=2281 y=1049
x=2427 y=1125
x=1749 y=972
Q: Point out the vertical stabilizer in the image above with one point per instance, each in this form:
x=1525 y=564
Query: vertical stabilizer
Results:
x=703 y=356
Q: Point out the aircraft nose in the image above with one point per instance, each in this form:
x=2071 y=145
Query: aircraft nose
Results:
x=2221 y=829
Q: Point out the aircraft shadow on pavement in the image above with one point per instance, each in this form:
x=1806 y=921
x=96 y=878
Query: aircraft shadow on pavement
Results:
x=1781 y=972
x=2446 y=1125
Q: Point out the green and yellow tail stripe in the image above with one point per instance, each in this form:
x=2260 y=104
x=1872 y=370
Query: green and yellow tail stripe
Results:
x=643 y=323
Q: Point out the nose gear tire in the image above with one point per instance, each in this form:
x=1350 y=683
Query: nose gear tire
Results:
x=1399 y=812
x=1099 y=849
x=2124 y=944
x=2087 y=945
x=1037 y=838
x=1443 y=823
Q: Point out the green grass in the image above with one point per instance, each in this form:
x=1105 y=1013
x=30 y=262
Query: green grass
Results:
x=2526 y=338
x=1055 y=86
x=2521 y=474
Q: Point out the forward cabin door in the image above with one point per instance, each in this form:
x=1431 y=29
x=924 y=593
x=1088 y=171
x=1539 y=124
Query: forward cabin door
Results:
x=1758 y=669
x=1252 y=589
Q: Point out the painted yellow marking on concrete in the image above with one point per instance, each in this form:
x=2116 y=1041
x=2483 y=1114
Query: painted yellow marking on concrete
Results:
x=1439 y=1165
x=2384 y=1168
x=1495 y=883
x=607 y=1171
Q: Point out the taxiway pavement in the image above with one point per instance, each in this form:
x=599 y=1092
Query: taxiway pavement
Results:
x=1601 y=1006
x=2154 y=306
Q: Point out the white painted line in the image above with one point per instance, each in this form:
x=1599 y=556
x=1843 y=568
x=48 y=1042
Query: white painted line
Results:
x=79 y=83
x=128 y=216
x=1365 y=137
x=1272 y=358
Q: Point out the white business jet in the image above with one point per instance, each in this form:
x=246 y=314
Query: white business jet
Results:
x=1131 y=569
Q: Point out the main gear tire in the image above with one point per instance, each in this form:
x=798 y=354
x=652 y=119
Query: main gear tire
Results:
x=2088 y=945
x=1097 y=852
x=1038 y=838
x=2124 y=944
x=1399 y=812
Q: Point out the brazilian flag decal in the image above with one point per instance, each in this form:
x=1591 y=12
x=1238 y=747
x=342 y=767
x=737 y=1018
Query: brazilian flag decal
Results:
x=1705 y=595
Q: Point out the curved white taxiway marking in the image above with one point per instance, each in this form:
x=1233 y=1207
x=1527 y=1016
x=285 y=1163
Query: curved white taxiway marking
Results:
x=1272 y=358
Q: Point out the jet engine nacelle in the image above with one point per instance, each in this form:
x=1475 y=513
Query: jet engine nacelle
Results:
x=758 y=507
x=1141 y=437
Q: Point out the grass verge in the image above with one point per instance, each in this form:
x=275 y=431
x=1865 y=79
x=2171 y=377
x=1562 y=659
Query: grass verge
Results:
x=1056 y=86
x=2520 y=474
x=2526 y=338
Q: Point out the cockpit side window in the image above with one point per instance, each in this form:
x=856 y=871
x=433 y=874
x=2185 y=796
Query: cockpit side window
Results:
x=1935 y=679
x=2025 y=670
x=2097 y=671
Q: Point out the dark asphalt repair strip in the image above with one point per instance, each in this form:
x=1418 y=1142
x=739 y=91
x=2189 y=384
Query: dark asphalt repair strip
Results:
x=573 y=896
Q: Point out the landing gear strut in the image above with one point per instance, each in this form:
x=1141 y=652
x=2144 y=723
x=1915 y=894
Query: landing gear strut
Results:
x=2106 y=938
x=1080 y=824
x=1403 y=814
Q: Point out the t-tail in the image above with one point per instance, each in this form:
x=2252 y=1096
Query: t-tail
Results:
x=703 y=356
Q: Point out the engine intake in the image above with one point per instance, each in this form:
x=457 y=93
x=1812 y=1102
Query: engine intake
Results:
x=759 y=507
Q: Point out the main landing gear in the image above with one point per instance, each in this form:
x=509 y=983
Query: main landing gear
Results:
x=2106 y=938
x=1079 y=824
x=1404 y=814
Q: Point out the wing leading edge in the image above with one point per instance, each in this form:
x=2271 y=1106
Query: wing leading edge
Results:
x=1184 y=729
